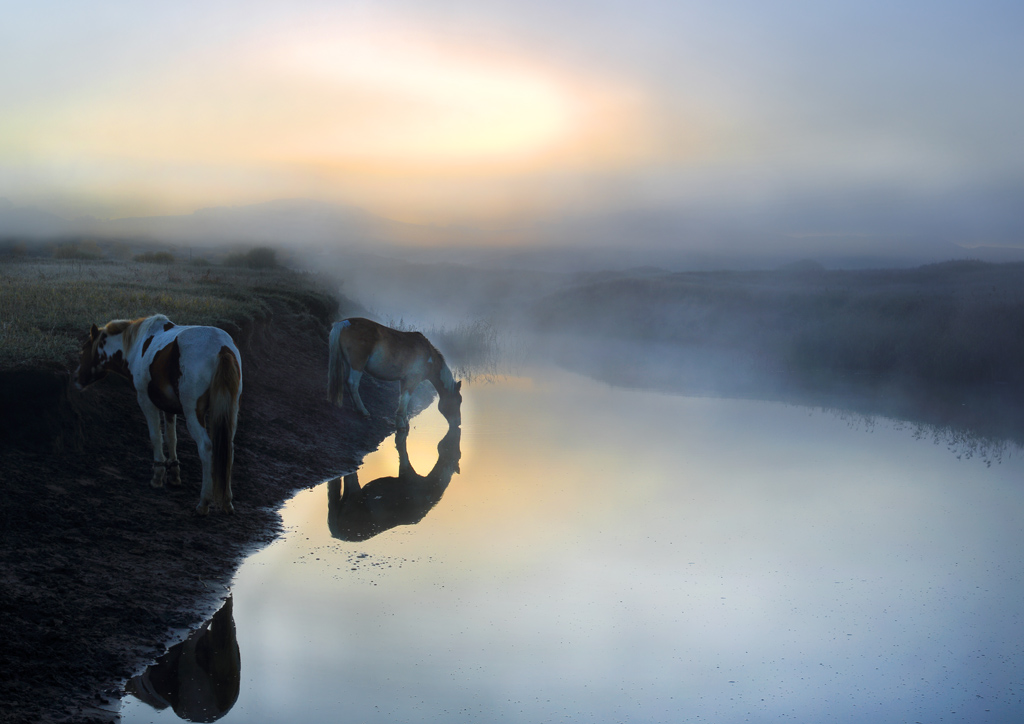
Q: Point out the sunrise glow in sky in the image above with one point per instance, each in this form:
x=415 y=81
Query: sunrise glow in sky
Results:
x=454 y=110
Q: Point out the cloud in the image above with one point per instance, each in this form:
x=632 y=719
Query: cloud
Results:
x=494 y=113
x=354 y=112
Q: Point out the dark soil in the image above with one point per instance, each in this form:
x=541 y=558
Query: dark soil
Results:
x=98 y=570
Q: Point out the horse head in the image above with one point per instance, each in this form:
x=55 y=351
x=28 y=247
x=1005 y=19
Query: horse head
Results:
x=92 y=364
x=449 y=452
x=449 y=404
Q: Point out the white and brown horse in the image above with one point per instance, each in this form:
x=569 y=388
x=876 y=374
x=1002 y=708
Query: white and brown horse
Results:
x=360 y=346
x=176 y=370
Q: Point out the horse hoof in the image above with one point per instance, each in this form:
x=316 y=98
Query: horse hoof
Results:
x=228 y=508
x=155 y=483
x=202 y=509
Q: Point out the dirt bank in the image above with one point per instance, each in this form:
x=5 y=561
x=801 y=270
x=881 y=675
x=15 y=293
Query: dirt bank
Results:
x=97 y=569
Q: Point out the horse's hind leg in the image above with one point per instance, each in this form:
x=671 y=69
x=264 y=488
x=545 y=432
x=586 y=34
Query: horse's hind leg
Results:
x=153 y=416
x=352 y=381
x=202 y=439
x=171 y=431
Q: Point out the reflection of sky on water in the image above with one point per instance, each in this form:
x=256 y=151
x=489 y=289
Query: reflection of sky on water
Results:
x=613 y=555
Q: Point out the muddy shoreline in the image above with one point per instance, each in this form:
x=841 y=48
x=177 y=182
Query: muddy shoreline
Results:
x=101 y=573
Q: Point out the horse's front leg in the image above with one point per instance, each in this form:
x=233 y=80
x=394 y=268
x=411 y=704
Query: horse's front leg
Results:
x=404 y=466
x=153 y=416
x=402 y=416
x=171 y=431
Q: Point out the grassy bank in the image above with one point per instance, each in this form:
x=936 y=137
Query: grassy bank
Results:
x=952 y=325
x=101 y=571
x=46 y=306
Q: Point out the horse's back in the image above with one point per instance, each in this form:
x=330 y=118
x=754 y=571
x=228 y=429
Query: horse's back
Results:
x=196 y=352
x=383 y=352
x=205 y=342
x=362 y=340
x=356 y=332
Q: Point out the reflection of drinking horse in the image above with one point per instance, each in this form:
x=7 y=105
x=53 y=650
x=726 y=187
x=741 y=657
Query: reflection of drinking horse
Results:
x=384 y=503
x=359 y=345
x=176 y=370
x=198 y=678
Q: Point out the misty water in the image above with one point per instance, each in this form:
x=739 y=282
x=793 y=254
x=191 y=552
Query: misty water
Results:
x=614 y=555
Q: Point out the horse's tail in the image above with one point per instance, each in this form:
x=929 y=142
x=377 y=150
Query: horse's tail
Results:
x=337 y=366
x=221 y=422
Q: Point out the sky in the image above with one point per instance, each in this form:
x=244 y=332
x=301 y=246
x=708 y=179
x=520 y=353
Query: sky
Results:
x=820 y=118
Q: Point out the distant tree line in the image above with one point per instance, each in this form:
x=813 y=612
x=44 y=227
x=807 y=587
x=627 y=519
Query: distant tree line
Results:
x=155 y=257
x=262 y=257
x=956 y=324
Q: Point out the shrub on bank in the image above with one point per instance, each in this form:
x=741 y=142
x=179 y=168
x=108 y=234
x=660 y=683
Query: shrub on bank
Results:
x=80 y=251
x=259 y=258
x=155 y=257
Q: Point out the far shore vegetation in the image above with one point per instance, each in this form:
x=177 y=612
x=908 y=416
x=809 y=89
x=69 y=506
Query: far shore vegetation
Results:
x=953 y=325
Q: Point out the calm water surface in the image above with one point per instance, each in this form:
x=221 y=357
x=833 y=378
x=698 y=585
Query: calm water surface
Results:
x=610 y=555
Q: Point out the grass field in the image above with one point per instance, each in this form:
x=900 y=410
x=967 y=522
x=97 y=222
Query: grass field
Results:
x=47 y=306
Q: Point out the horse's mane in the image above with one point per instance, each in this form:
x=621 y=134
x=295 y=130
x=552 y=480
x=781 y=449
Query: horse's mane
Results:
x=129 y=328
x=447 y=379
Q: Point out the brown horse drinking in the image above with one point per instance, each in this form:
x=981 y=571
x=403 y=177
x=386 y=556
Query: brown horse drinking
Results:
x=358 y=345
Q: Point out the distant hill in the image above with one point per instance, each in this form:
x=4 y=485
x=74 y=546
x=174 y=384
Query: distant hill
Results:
x=290 y=221
x=283 y=222
x=26 y=221
x=656 y=239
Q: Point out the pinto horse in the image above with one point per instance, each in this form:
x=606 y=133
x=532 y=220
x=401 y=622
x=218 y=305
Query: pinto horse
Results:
x=358 y=345
x=176 y=370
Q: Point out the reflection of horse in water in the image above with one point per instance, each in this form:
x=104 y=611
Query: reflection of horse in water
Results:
x=361 y=513
x=358 y=345
x=198 y=678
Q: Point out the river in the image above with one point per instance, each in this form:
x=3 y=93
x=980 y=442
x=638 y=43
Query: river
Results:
x=586 y=553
